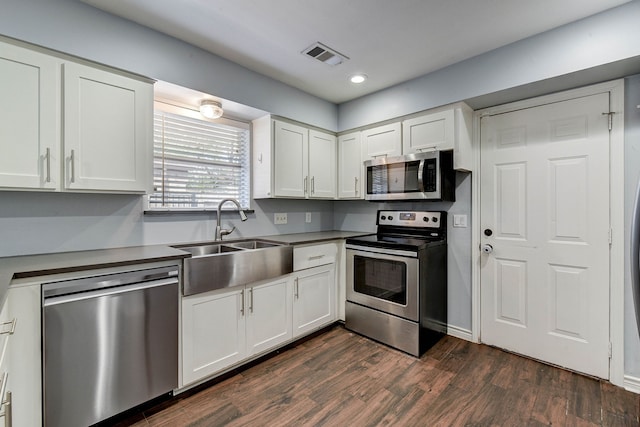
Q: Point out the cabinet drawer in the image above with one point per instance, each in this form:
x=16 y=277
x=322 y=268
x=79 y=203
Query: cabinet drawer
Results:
x=314 y=255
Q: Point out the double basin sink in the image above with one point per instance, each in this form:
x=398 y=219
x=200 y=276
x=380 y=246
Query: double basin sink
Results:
x=218 y=265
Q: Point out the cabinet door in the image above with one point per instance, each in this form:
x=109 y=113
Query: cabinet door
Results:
x=382 y=141
x=107 y=130
x=29 y=119
x=24 y=355
x=268 y=314
x=430 y=132
x=350 y=166
x=213 y=333
x=291 y=144
x=314 y=303
x=322 y=165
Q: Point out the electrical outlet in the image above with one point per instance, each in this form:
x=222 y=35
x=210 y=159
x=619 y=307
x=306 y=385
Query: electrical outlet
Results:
x=307 y=217
x=280 y=218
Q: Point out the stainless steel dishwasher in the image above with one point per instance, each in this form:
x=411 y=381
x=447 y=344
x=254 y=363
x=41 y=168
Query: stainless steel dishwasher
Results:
x=109 y=343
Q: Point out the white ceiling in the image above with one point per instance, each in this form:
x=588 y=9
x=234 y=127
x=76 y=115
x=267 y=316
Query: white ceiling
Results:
x=390 y=41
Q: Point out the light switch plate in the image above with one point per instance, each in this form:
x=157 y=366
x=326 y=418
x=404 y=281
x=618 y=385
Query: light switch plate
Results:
x=307 y=217
x=460 y=221
x=280 y=218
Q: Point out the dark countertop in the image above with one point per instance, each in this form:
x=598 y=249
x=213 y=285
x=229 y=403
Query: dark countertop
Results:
x=313 y=237
x=65 y=262
x=25 y=266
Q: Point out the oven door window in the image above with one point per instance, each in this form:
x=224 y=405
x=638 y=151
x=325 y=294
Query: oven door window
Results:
x=380 y=278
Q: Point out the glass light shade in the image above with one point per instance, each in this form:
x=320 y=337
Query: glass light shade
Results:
x=211 y=109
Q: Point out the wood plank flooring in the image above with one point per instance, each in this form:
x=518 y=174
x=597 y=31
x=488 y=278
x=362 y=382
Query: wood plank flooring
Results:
x=342 y=379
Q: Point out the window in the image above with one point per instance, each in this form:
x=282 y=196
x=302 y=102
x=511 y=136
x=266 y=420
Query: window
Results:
x=197 y=162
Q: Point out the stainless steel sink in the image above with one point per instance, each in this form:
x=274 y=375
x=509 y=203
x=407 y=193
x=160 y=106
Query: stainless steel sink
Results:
x=254 y=244
x=217 y=265
x=203 y=250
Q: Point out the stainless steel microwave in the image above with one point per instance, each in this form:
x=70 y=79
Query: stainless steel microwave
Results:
x=420 y=176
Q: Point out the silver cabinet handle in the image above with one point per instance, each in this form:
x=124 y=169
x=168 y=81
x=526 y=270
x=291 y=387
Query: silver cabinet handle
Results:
x=295 y=288
x=251 y=300
x=305 y=184
x=311 y=258
x=8 y=328
x=72 y=159
x=6 y=402
x=356 y=184
x=47 y=156
x=7 y=413
x=313 y=185
x=242 y=306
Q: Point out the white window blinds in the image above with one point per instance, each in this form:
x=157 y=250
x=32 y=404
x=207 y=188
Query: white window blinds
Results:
x=197 y=162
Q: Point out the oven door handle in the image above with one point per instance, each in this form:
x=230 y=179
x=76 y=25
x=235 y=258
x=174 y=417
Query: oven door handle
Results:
x=376 y=250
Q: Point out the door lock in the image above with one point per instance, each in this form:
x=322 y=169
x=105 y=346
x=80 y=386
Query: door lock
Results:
x=486 y=248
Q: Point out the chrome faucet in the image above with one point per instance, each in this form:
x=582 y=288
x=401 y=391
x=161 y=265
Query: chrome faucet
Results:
x=221 y=231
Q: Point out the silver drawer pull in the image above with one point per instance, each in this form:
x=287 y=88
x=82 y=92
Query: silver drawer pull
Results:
x=7 y=410
x=311 y=258
x=48 y=157
x=8 y=328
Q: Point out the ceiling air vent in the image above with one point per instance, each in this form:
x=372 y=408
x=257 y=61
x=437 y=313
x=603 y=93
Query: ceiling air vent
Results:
x=324 y=54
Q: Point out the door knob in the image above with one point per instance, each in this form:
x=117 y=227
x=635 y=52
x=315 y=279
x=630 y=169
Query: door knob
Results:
x=486 y=248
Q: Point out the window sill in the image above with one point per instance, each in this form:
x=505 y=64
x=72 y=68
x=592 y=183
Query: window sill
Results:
x=175 y=211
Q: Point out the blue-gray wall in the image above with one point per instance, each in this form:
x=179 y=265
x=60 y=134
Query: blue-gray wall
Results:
x=557 y=59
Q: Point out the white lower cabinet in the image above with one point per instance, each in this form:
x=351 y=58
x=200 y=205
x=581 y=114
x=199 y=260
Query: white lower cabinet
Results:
x=21 y=364
x=269 y=315
x=222 y=328
x=226 y=327
x=213 y=333
x=314 y=303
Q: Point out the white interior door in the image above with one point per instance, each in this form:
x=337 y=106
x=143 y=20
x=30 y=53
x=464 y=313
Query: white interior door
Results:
x=545 y=212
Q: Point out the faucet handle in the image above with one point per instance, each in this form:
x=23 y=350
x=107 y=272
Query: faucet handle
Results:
x=224 y=231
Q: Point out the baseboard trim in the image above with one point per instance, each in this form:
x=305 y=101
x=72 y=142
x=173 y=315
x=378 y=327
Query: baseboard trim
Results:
x=631 y=384
x=458 y=332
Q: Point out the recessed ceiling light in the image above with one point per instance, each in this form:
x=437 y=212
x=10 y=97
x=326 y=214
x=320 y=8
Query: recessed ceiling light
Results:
x=358 y=78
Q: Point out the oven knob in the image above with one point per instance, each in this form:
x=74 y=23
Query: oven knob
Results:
x=434 y=219
x=390 y=218
x=425 y=219
x=383 y=217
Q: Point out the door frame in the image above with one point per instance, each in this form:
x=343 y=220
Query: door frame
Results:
x=616 y=209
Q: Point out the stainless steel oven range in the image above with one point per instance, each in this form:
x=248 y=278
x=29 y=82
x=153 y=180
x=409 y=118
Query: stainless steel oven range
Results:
x=397 y=280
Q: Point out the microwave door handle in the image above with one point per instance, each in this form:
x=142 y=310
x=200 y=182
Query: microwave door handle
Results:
x=421 y=176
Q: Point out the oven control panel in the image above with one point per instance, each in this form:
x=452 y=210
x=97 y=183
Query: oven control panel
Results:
x=421 y=219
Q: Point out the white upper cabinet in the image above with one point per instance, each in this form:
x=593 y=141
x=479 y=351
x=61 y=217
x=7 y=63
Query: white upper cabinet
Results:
x=107 y=126
x=322 y=165
x=29 y=119
x=292 y=161
x=447 y=128
x=67 y=126
x=350 y=168
x=382 y=141
x=291 y=151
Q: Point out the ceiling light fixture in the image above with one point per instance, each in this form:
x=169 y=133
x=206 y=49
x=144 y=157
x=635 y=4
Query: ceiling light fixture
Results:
x=211 y=109
x=358 y=78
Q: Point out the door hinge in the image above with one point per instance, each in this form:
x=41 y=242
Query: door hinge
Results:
x=610 y=117
x=610 y=350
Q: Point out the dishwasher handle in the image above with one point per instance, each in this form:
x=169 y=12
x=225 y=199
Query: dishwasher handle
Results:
x=62 y=299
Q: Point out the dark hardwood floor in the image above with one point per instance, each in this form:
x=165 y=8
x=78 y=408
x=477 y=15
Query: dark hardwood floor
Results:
x=342 y=379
